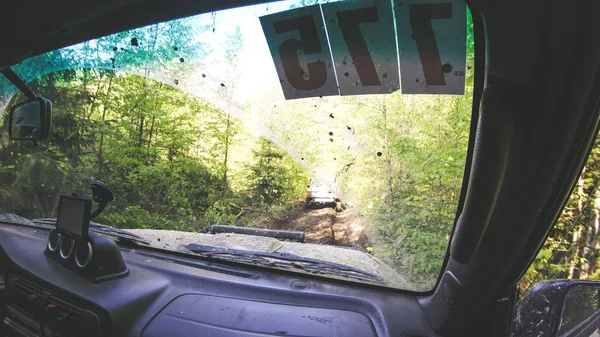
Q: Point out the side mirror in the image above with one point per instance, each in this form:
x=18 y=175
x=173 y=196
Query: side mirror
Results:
x=30 y=120
x=565 y=308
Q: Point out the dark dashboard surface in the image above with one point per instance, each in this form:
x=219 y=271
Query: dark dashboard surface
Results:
x=169 y=295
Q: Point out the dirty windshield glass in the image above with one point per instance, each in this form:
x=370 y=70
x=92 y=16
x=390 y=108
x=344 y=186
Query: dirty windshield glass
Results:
x=345 y=124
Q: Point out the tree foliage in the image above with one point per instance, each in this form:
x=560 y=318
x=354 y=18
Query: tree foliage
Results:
x=159 y=152
x=571 y=249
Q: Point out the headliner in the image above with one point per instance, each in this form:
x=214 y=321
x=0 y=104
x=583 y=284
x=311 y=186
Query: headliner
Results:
x=35 y=27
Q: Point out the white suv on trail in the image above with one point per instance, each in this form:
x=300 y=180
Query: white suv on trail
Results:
x=323 y=191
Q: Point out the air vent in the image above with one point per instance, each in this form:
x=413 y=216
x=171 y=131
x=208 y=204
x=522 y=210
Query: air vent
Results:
x=54 y=239
x=28 y=303
x=25 y=289
x=34 y=301
x=24 y=293
x=84 y=254
x=66 y=247
x=70 y=313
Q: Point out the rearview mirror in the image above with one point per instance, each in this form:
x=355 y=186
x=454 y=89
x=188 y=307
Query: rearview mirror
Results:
x=565 y=308
x=30 y=120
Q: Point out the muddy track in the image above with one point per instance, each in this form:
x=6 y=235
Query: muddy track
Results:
x=323 y=226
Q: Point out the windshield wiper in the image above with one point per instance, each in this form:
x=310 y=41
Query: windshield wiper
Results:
x=122 y=235
x=284 y=260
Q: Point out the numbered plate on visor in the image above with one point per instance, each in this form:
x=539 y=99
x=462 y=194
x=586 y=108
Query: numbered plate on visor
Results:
x=431 y=47
x=299 y=47
x=363 y=46
x=432 y=41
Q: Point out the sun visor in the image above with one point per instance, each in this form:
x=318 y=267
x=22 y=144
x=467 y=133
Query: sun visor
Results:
x=368 y=48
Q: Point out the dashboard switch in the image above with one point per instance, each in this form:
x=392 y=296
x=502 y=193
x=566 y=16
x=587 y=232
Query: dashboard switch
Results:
x=62 y=318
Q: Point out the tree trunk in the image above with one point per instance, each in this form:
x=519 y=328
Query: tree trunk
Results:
x=574 y=264
x=226 y=157
x=227 y=137
x=595 y=242
x=94 y=98
x=574 y=267
x=82 y=127
x=150 y=136
x=591 y=214
x=388 y=158
x=150 y=49
x=100 y=147
x=141 y=132
x=589 y=253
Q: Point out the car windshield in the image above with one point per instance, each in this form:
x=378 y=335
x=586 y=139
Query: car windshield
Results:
x=228 y=118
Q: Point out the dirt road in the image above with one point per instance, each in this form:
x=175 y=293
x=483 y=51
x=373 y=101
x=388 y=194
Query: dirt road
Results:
x=323 y=226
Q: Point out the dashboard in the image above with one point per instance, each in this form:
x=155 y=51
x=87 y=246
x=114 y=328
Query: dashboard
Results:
x=174 y=295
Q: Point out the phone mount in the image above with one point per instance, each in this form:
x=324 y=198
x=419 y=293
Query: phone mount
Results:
x=93 y=256
x=102 y=195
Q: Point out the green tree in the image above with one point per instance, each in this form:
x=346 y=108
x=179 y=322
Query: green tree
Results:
x=571 y=249
x=276 y=179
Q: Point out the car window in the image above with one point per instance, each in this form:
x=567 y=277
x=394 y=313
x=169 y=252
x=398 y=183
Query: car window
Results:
x=226 y=118
x=571 y=249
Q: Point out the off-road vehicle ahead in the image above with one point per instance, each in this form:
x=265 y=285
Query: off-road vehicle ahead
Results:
x=322 y=191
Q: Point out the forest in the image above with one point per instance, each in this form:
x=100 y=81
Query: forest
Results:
x=186 y=136
x=164 y=155
x=571 y=249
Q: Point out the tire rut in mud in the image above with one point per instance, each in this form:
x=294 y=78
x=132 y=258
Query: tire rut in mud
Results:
x=322 y=226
